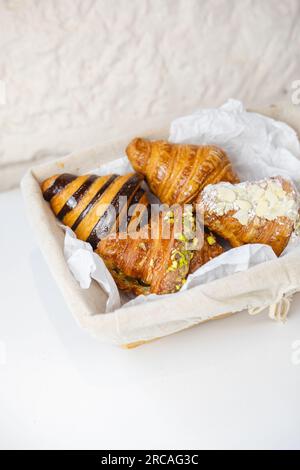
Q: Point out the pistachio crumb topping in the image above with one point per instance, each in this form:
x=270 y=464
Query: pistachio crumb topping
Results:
x=174 y=264
x=169 y=215
x=182 y=237
x=179 y=286
x=194 y=244
x=211 y=240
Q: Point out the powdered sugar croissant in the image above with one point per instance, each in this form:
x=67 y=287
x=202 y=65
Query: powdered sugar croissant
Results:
x=176 y=173
x=264 y=211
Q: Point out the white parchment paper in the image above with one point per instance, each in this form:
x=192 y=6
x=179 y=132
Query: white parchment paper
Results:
x=258 y=147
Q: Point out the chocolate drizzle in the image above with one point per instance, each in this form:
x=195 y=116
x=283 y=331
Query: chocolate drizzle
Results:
x=93 y=201
x=106 y=222
x=60 y=183
x=135 y=201
x=75 y=198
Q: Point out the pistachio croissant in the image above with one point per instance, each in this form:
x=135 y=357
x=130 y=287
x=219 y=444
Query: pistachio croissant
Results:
x=177 y=173
x=159 y=260
x=147 y=264
x=93 y=206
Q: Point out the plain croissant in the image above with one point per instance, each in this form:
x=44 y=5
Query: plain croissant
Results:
x=93 y=205
x=177 y=173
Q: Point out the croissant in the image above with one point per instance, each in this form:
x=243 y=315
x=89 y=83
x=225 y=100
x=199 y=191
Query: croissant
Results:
x=176 y=173
x=147 y=264
x=93 y=206
x=264 y=211
x=157 y=264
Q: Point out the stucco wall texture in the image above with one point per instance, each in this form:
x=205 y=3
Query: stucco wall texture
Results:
x=77 y=72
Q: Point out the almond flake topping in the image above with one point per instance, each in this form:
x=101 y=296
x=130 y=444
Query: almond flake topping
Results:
x=266 y=199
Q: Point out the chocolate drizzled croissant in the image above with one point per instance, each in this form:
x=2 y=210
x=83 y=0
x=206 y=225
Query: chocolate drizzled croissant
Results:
x=93 y=206
x=177 y=173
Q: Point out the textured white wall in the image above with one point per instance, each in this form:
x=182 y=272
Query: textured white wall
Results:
x=77 y=71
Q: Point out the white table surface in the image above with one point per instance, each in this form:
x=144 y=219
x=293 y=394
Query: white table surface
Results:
x=225 y=384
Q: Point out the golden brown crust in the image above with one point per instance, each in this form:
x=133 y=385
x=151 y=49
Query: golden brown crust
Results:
x=176 y=173
x=275 y=233
x=157 y=265
x=146 y=264
x=210 y=249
